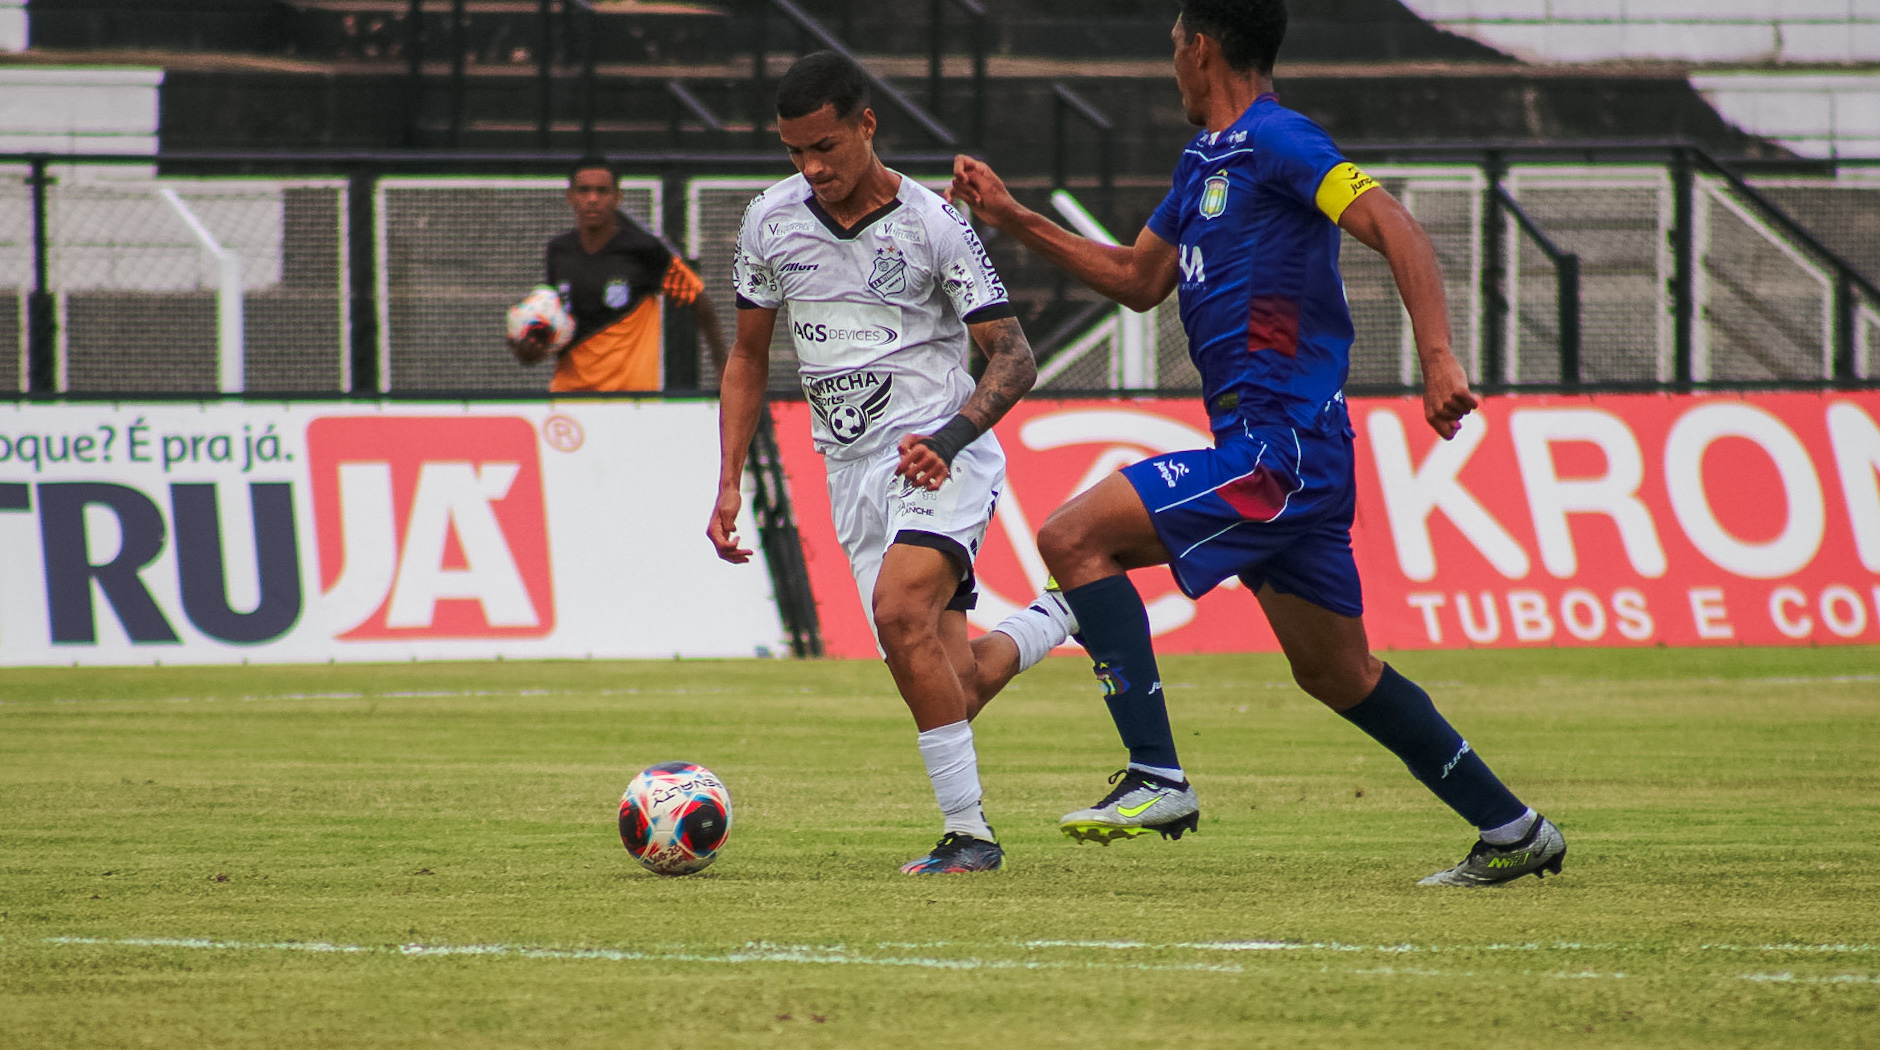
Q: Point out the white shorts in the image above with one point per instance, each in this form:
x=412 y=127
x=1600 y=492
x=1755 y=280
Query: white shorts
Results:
x=873 y=508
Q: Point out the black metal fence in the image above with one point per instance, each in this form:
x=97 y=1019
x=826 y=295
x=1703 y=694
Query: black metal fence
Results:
x=1599 y=266
x=1588 y=267
x=1691 y=177
x=565 y=36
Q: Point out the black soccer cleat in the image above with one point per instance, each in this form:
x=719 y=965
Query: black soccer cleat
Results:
x=957 y=854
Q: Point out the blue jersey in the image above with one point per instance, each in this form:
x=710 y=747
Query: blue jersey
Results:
x=1253 y=214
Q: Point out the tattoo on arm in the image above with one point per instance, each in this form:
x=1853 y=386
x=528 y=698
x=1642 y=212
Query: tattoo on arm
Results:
x=1009 y=375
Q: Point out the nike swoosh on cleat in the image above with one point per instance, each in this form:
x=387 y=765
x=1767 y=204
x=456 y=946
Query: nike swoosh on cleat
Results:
x=1139 y=810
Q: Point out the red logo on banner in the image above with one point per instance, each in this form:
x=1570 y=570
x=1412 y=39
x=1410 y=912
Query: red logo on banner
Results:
x=1548 y=521
x=430 y=527
x=1623 y=520
x=1054 y=450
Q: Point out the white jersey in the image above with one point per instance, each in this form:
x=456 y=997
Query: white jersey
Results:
x=878 y=311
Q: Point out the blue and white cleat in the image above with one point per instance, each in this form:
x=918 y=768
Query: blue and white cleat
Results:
x=957 y=854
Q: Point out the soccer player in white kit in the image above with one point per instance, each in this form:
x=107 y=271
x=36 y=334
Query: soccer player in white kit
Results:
x=885 y=282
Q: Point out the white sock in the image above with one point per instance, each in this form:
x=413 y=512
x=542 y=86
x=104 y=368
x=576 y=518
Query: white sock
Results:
x=1173 y=775
x=953 y=766
x=1512 y=832
x=1037 y=629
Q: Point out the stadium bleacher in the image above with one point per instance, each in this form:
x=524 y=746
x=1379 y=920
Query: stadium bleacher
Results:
x=332 y=73
x=1081 y=98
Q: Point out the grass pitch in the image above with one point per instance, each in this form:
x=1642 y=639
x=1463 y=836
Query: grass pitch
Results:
x=422 y=855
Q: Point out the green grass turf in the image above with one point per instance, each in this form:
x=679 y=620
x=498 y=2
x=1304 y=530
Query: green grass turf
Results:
x=1722 y=890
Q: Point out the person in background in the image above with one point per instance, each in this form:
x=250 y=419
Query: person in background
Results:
x=610 y=272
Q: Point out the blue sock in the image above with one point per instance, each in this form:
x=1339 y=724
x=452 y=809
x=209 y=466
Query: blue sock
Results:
x=1116 y=634
x=1399 y=715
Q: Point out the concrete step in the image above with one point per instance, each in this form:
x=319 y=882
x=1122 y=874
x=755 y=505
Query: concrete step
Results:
x=1317 y=30
x=510 y=31
x=370 y=107
x=194 y=25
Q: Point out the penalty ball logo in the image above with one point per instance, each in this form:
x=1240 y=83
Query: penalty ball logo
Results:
x=847 y=423
x=845 y=420
x=674 y=817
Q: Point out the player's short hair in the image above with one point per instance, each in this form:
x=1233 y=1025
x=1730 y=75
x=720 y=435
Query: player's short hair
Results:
x=594 y=162
x=1249 y=31
x=823 y=78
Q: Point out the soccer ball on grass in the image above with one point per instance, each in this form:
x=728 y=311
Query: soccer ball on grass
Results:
x=674 y=817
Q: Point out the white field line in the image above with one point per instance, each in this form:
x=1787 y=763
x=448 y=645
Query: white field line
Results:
x=1824 y=679
x=1806 y=680
x=755 y=953
x=428 y=694
x=446 y=694
x=1788 y=978
x=839 y=955
x=1815 y=949
x=1404 y=949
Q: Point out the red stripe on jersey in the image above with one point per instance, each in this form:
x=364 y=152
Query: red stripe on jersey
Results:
x=1273 y=324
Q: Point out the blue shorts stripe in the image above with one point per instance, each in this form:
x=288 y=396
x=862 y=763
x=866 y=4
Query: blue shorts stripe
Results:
x=1235 y=513
x=1204 y=540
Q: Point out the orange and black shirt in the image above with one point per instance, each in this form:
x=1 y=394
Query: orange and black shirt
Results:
x=613 y=296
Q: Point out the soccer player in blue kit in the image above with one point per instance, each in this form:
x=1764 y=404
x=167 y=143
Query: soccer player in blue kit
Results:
x=1250 y=231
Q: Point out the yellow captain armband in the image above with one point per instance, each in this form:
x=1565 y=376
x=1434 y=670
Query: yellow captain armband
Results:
x=1342 y=185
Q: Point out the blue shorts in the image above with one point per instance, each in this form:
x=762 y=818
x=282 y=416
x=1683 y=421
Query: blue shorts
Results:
x=1271 y=506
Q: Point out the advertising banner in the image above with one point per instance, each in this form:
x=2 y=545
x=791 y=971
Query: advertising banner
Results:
x=1549 y=521
x=228 y=532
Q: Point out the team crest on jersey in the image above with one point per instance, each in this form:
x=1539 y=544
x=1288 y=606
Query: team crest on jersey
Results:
x=889 y=277
x=616 y=294
x=847 y=404
x=1214 y=195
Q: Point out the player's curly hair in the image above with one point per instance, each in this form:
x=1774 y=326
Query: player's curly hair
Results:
x=1249 y=31
x=594 y=162
x=823 y=78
